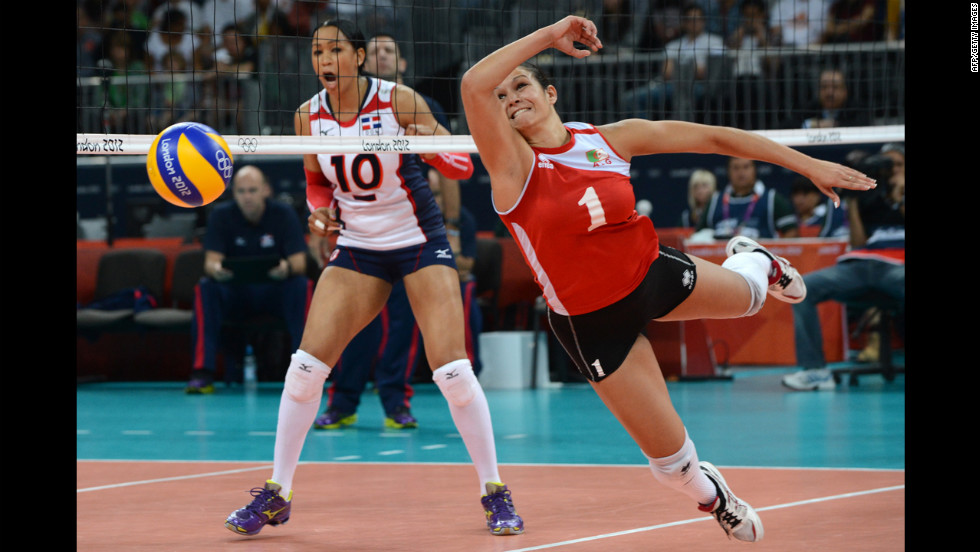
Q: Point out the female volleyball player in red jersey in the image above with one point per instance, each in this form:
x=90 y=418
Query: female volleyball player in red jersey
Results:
x=390 y=228
x=564 y=193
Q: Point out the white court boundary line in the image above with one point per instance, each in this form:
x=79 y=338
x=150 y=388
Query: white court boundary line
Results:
x=707 y=518
x=381 y=463
x=555 y=544
x=167 y=479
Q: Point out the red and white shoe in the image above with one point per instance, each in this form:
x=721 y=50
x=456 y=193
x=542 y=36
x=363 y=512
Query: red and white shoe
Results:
x=735 y=516
x=785 y=283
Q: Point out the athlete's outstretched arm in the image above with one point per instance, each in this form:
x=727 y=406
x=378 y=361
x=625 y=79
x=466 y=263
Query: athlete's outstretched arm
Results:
x=633 y=137
x=503 y=151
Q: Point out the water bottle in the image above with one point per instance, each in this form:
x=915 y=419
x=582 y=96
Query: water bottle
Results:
x=250 y=368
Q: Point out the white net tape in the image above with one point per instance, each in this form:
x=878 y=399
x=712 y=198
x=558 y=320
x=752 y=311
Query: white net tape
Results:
x=139 y=144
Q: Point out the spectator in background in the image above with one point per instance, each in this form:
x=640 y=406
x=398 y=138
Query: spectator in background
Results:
x=217 y=15
x=172 y=32
x=131 y=15
x=124 y=100
x=236 y=62
x=688 y=53
x=746 y=207
x=251 y=225
x=799 y=23
x=700 y=188
x=88 y=45
x=722 y=17
x=853 y=21
x=752 y=66
x=661 y=25
x=874 y=265
x=618 y=21
x=175 y=98
x=833 y=106
x=815 y=214
x=268 y=19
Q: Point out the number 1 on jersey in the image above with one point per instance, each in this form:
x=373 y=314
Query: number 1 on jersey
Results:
x=591 y=201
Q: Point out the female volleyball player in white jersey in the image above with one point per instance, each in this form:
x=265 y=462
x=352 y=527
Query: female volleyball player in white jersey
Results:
x=390 y=228
x=564 y=193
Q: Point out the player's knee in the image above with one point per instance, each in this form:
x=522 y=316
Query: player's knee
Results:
x=749 y=268
x=677 y=469
x=457 y=382
x=305 y=377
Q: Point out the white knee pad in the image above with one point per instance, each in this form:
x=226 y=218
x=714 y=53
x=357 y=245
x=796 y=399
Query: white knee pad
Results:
x=457 y=382
x=754 y=268
x=679 y=468
x=305 y=377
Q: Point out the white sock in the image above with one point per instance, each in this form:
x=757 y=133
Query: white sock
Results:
x=681 y=471
x=295 y=420
x=471 y=414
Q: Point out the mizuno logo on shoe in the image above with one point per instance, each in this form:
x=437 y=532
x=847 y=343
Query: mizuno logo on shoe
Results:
x=273 y=513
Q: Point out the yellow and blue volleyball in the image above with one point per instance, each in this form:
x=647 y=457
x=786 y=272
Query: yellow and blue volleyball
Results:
x=189 y=164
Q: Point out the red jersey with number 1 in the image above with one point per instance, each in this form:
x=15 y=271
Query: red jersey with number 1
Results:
x=577 y=225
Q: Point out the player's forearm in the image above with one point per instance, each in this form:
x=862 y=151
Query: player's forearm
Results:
x=491 y=70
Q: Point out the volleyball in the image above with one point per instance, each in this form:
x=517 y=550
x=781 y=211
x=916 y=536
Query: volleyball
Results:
x=189 y=164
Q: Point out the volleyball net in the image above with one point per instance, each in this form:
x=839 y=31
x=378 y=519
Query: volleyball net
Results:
x=143 y=65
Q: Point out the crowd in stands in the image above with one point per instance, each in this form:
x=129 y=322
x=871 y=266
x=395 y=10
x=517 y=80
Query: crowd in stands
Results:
x=207 y=60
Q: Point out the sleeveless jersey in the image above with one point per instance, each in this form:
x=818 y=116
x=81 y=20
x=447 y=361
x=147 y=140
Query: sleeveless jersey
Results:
x=577 y=225
x=383 y=199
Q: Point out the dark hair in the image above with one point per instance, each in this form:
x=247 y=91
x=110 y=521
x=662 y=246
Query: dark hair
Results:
x=537 y=74
x=761 y=4
x=386 y=33
x=350 y=30
x=688 y=6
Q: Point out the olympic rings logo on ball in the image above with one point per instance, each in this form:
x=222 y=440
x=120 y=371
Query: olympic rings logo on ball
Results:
x=189 y=164
x=224 y=163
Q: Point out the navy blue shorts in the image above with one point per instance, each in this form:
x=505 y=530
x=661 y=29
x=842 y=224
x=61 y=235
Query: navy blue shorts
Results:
x=394 y=264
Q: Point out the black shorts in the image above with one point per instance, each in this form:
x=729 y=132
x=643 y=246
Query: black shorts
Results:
x=598 y=342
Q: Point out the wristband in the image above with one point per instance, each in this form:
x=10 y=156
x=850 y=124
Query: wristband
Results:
x=319 y=191
x=457 y=166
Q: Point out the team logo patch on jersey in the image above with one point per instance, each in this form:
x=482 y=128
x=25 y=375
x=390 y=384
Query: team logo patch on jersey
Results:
x=267 y=240
x=597 y=155
x=371 y=124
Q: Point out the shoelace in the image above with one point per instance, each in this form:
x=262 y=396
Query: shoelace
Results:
x=499 y=502
x=784 y=280
x=262 y=496
x=728 y=516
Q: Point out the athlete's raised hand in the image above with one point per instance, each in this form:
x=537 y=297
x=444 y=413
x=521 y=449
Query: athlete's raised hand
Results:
x=572 y=29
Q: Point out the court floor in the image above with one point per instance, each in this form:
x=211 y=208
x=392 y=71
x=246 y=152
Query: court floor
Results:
x=825 y=470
